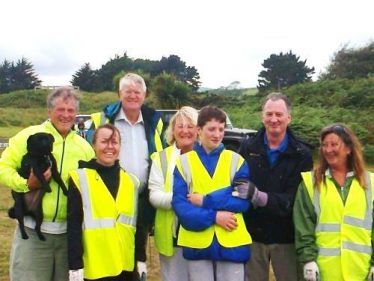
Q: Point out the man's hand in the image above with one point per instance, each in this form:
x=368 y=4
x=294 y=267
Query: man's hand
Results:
x=142 y=268
x=311 y=272
x=34 y=183
x=226 y=220
x=371 y=274
x=244 y=189
x=195 y=199
x=76 y=275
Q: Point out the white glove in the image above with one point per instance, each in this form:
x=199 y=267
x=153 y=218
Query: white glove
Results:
x=371 y=274
x=142 y=268
x=311 y=272
x=76 y=275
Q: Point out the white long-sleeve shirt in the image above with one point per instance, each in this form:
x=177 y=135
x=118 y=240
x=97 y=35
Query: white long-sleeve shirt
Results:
x=158 y=196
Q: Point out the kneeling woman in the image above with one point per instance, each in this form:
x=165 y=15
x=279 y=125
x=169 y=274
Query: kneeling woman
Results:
x=102 y=212
x=212 y=233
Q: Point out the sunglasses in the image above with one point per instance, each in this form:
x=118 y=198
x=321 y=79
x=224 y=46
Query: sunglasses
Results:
x=339 y=130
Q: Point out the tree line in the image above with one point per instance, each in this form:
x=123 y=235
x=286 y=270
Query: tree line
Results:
x=21 y=74
x=104 y=79
x=17 y=75
x=174 y=82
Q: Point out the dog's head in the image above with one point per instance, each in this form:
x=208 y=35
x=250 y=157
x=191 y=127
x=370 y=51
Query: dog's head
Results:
x=40 y=144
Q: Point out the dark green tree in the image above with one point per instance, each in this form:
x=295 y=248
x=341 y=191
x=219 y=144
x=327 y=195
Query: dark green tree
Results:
x=351 y=63
x=85 y=78
x=174 y=65
x=169 y=91
x=17 y=76
x=5 y=77
x=123 y=64
x=145 y=66
x=24 y=76
x=107 y=71
x=283 y=70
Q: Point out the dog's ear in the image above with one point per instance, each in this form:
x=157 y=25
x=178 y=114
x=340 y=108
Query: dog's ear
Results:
x=40 y=143
x=51 y=138
x=31 y=141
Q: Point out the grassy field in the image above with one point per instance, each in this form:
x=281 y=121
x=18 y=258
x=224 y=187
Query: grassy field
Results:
x=6 y=232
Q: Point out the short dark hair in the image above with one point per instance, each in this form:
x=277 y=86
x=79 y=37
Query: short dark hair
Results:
x=275 y=97
x=208 y=113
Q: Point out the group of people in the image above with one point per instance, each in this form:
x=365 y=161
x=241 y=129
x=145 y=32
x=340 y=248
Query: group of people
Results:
x=217 y=215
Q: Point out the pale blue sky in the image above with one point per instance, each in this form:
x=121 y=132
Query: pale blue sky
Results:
x=225 y=40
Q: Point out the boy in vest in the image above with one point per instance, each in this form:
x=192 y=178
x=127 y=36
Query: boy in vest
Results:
x=212 y=232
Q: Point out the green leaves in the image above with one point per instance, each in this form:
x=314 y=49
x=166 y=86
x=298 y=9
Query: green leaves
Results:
x=351 y=63
x=282 y=71
x=169 y=91
x=17 y=76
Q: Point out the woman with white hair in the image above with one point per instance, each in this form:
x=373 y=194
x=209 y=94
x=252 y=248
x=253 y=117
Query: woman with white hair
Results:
x=181 y=136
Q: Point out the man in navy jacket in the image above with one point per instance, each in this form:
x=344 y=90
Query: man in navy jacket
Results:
x=275 y=158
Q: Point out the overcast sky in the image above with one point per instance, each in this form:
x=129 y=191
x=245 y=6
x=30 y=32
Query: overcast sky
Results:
x=225 y=40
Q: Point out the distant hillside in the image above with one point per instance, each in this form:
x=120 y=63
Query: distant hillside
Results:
x=315 y=105
x=231 y=92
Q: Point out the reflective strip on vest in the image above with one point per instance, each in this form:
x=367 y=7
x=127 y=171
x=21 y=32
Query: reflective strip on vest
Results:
x=165 y=220
x=365 y=223
x=329 y=252
x=187 y=172
x=157 y=135
x=135 y=182
x=356 y=247
x=103 y=119
x=234 y=163
x=164 y=163
x=328 y=227
x=89 y=221
x=98 y=119
x=126 y=220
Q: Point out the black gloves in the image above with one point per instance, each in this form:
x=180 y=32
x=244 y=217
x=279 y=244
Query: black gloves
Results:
x=244 y=189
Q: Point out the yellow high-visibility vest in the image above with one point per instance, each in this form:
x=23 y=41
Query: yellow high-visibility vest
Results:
x=199 y=181
x=109 y=225
x=164 y=218
x=343 y=231
x=98 y=119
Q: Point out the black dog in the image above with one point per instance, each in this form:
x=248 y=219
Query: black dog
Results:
x=38 y=158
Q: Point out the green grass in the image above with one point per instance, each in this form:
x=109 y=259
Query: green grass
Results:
x=7 y=132
x=14 y=117
x=250 y=91
x=6 y=232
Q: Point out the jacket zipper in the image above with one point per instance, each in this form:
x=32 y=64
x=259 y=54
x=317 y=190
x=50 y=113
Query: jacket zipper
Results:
x=58 y=189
